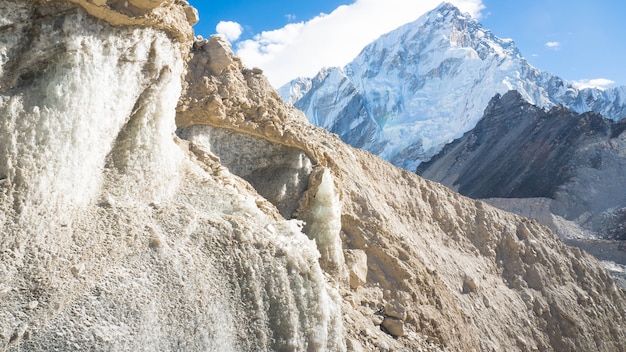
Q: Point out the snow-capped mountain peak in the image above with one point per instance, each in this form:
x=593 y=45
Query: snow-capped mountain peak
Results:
x=420 y=86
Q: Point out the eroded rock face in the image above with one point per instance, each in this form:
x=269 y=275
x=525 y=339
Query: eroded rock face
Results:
x=172 y=16
x=356 y=262
x=279 y=173
x=191 y=257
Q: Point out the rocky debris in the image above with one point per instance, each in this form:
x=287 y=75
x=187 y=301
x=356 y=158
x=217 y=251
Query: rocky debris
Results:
x=395 y=309
x=378 y=318
x=237 y=99
x=394 y=326
x=394 y=314
x=356 y=263
x=145 y=4
x=229 y=271
x=218 y=57
x=469 y=285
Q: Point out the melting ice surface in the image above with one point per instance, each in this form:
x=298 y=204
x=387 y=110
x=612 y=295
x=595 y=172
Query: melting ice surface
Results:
x=88 y=112
x=75 y=99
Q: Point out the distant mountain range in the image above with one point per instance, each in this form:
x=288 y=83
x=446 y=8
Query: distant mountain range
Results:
x=426 y=83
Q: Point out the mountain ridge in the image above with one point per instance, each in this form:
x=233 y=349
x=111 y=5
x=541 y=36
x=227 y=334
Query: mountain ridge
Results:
x=502 y=116
x=426 y=83
x=518 y=150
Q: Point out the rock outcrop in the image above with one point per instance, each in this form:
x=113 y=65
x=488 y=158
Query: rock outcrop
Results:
x=248 y=229
x=438 y=264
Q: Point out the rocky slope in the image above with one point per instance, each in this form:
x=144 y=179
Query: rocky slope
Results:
x=117 y=234
x=518 y=150
x=426 y=83
x=560 y=168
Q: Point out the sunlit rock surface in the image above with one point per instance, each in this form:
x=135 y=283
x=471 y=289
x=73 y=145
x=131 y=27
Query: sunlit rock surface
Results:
x=458 y=268
x=136 y=218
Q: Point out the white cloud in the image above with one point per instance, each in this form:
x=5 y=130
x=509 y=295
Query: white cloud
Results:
x=599 y=83
x=553 y=45
x=303 y=48
x=229 y=29
x=290 y=17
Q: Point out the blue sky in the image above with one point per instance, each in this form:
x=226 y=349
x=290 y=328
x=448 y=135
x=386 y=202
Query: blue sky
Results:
x=579 y=40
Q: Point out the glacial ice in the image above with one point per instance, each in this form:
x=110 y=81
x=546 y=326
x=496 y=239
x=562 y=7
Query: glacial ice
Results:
x=191 y=257
x=132 y=245
x=57 y=155
x=323 y=224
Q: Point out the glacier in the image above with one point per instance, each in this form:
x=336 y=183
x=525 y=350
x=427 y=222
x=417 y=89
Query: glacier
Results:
x=426 y=83
x=106 y=225
x=156 y=195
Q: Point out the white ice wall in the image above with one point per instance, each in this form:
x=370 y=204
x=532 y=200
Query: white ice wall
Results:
x=109 y=232
x=66 y=96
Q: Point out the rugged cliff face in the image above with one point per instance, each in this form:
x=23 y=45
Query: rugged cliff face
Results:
x=559 y=167
x=248 y=229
